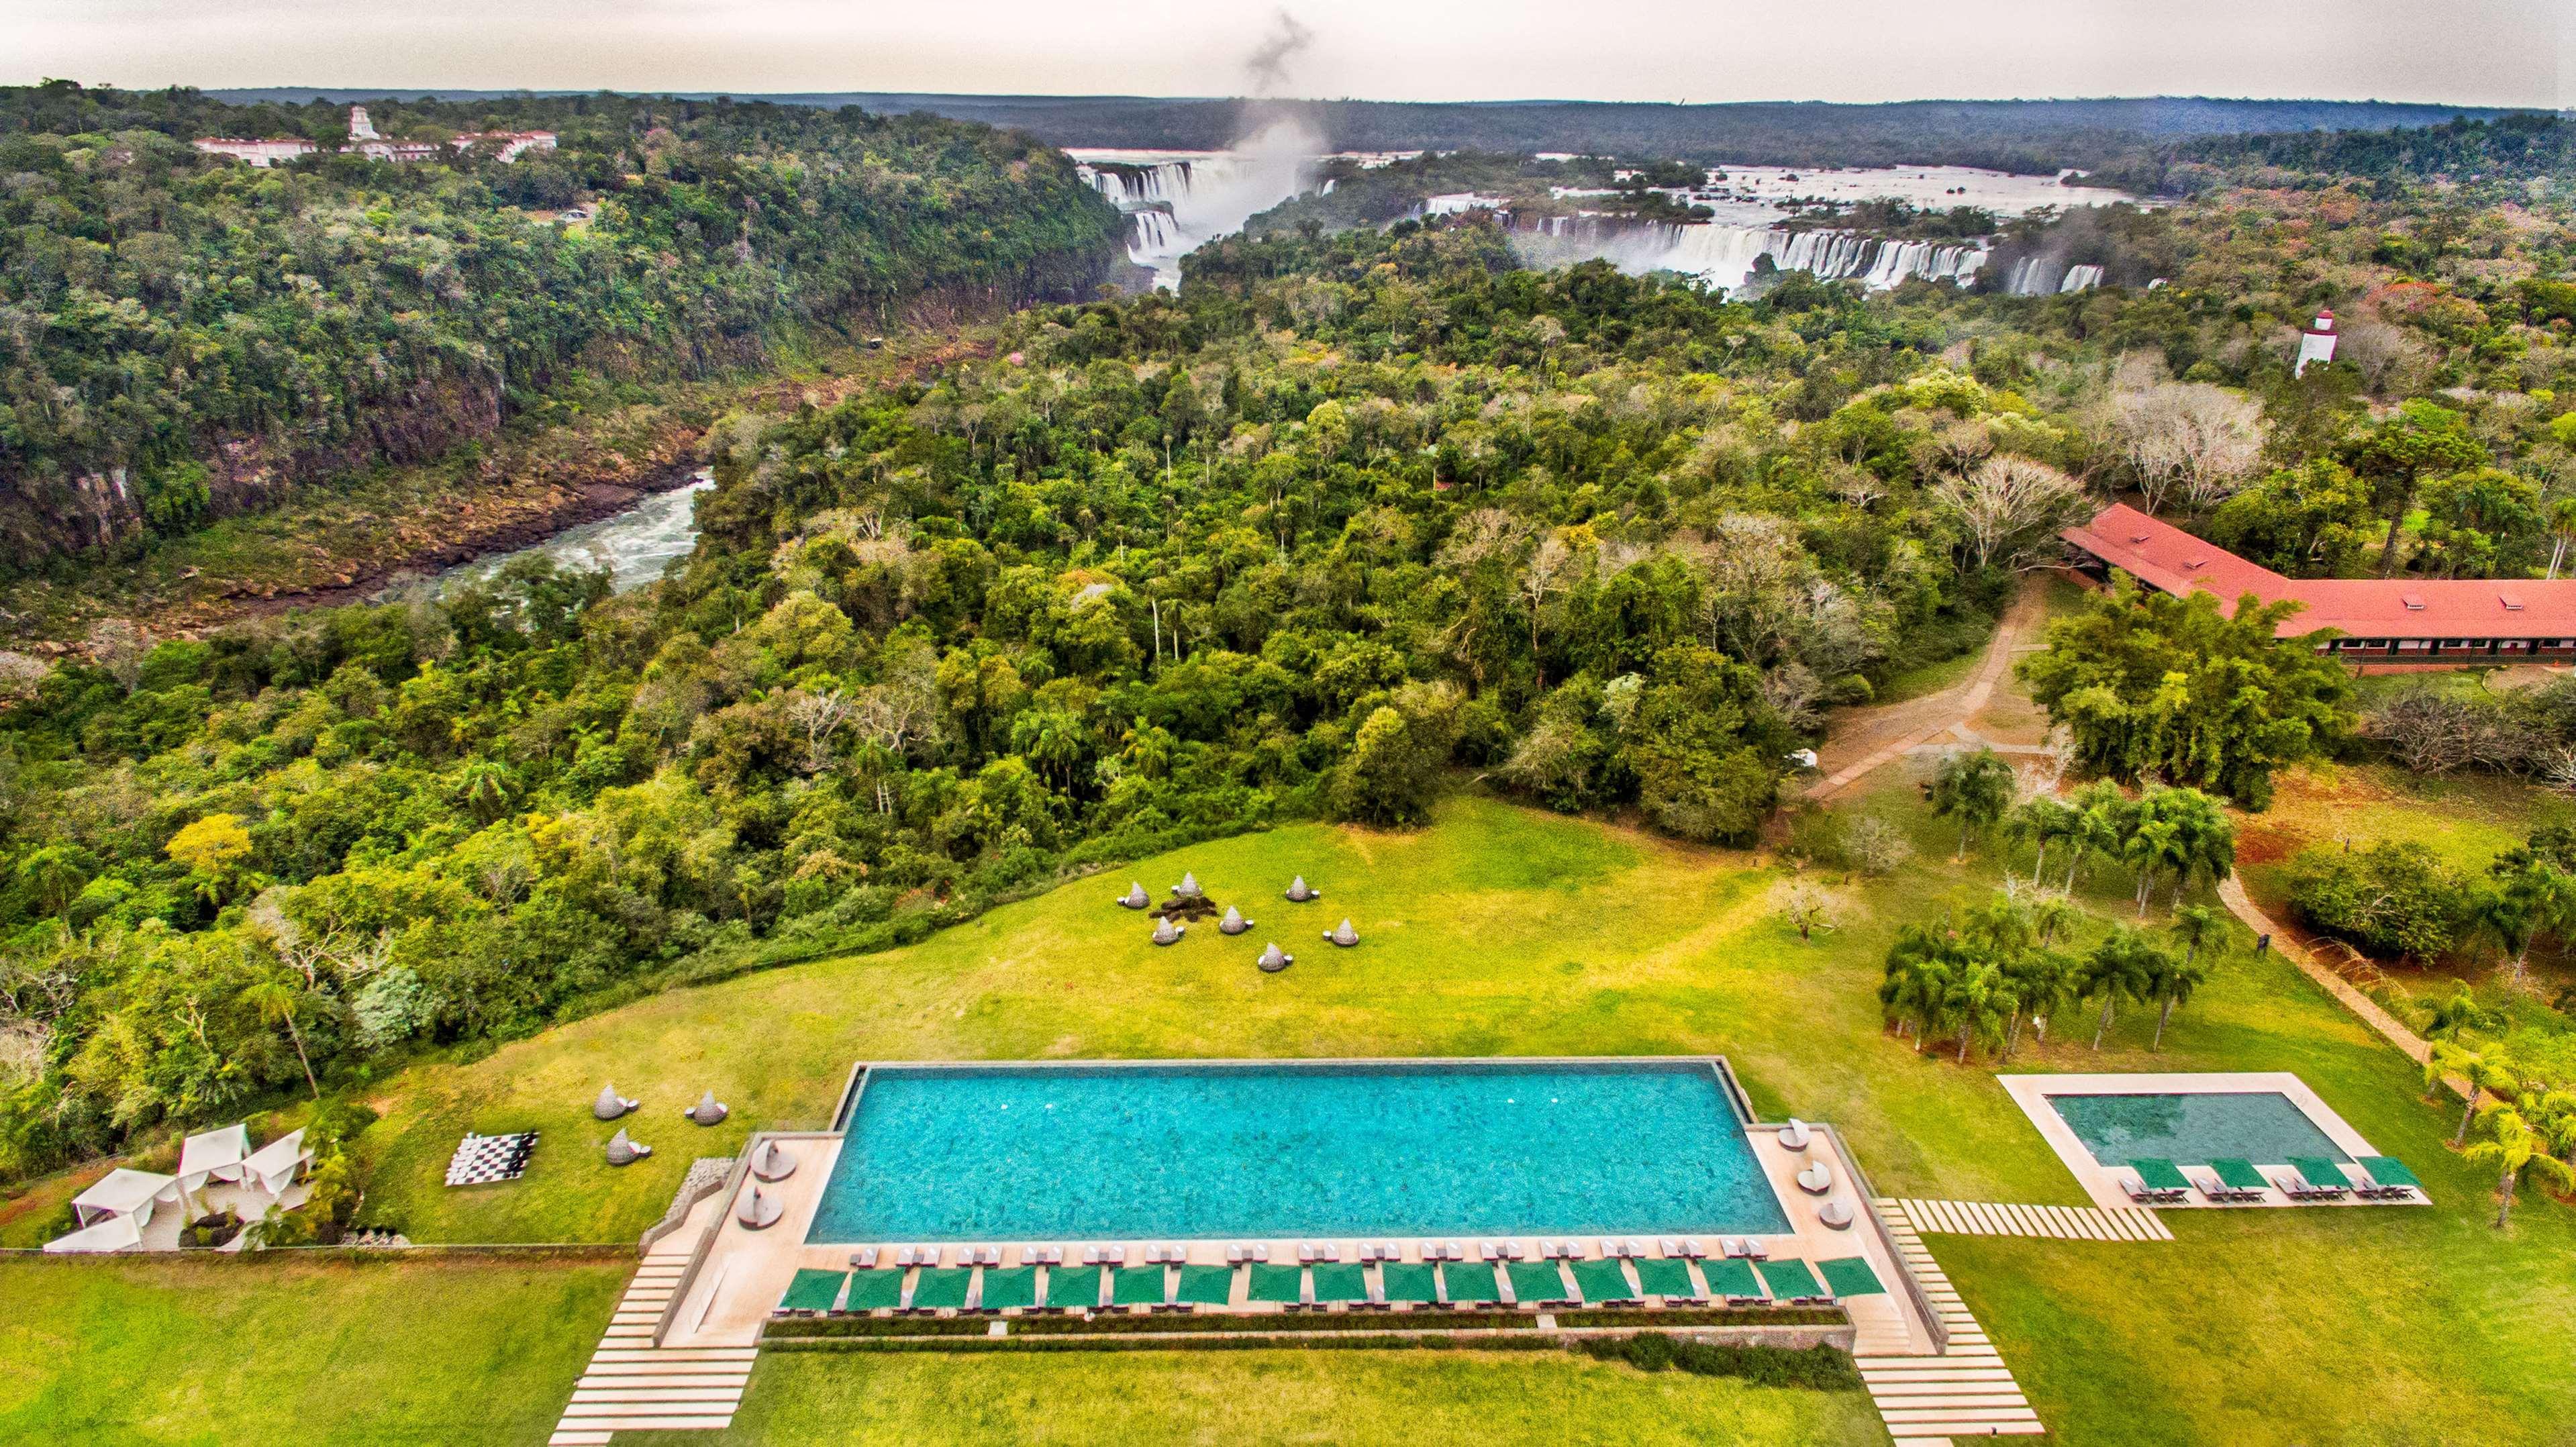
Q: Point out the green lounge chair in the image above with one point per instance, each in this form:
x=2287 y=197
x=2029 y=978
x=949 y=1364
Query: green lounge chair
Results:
x=1414 y=1282
x=2325 y=1180
x=1010 y=1286
x=1602 y=1281
x=1668 y=1277
x=1341 y=1281
x=1534 y=1282
x=811 y=1293
x=2238 y=1179
x=1732 y=1278
x=935 y=1287
x=1790 y=1280
x=1073 y=1288
x=2160 y=1182
x=2390 y=1180
x=1206 y=1286
x=1470 y=1283
x=874 y=1291
x=1280 y=1285
x=1851 y=1276
x=1138 y=1286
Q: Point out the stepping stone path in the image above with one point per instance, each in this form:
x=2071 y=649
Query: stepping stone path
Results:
x=632 y=1385
x=2065 y=1223
x=1966 y=1390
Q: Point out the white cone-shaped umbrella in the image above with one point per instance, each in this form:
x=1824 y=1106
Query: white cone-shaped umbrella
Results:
x=1188 y=888
x=1234 y=923
x=1273 y=959
x=1135 y=897
x=758 y=1211
x=610 y=1104
x=624 y=1152
x=1344 y=936
x=1165 y=932
x=708 y=1110
x=1298 y=891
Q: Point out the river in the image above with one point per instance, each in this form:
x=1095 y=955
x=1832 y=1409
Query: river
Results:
x=633 y=545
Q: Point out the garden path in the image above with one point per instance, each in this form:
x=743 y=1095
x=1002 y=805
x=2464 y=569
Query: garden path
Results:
x=1863 y=739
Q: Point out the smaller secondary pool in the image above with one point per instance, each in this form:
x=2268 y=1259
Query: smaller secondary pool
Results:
x=2263 y=1126
x=1101 y=1152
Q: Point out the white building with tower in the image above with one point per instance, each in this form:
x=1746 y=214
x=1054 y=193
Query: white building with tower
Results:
x=2316 y=344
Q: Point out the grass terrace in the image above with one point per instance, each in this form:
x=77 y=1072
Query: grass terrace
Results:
x=1503 y=931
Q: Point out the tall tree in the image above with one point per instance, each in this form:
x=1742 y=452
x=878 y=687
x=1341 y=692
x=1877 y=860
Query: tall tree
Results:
x=1973 y=788
x=2124 y=966
x=2420 y=439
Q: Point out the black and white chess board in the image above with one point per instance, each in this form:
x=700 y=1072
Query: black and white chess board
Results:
x=483 y=1159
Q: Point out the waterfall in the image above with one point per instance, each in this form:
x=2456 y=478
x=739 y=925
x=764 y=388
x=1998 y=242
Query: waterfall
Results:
x=1724 y=256
x=1178 y=203
x=2046 y=276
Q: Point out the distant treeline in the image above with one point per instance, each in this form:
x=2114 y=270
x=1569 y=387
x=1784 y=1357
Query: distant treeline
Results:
x=2512 y=147
x=190 y=333
x=2032 y=137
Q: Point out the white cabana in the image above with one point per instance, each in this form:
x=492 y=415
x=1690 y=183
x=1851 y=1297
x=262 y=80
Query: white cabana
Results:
x=215 y=1156
x=273 y=1166
x=116 y=1233
x=123 y=1192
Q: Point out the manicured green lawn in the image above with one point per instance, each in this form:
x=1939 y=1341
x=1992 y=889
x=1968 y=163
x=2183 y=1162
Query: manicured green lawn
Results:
x=1506 y=931
x=138 y=1350
x=1413 y=1397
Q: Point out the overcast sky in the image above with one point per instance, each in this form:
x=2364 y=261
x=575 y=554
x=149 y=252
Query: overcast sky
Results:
x=2469 y=52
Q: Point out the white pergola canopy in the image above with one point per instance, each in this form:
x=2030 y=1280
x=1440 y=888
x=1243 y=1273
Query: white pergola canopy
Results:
x=124 y=1192
x=273 y=1166
x=116 y=1233
x=216 y=1155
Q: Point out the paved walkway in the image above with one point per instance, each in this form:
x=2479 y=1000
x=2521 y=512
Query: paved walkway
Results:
x=2231 y=892
x=1865 y=739
x=2064 y=1223
x=632 y=1385
x=1966 y=1391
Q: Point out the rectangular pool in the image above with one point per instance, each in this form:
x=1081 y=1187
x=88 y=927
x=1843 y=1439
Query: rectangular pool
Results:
x=1319 y=1149
x=2264 y=1126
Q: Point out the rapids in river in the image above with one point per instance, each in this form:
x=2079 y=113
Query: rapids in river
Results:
x=634 y=545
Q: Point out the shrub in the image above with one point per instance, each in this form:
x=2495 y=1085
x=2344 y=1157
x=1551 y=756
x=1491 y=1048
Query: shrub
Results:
x=2395 y=900
x=1819 y=1367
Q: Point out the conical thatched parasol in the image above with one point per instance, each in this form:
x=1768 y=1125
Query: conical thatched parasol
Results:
x=1135 y=897
x=1273 y=959
x=1234 y=923
x=1166 y=932
x=1344 y=936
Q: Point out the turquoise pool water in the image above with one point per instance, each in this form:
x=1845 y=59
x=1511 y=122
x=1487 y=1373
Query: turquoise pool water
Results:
x=1181 y=1151
x=2264 y=1127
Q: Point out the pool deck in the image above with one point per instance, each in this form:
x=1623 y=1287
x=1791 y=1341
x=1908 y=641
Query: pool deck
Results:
x=742 y=1273
x=2107 y=1184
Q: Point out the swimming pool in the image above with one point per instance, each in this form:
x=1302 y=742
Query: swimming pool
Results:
x=1184 y=1150
x=2263 y=1126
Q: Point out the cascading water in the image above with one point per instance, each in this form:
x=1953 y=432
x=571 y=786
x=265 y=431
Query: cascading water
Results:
x=1725 y=256
x=1178 y=203
x=2048 y=276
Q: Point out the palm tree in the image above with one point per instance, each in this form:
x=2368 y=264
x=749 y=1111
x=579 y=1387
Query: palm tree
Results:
x=1920 y=968
x=2513 y=1147
x=2101 y=820
x=2148 y=846
x=2562 y=531
x=2125 y=964
x=2204 y=840
x=2041 y=821
x=2174 y=979
x=2522 y=903
x=2052 y=913
x=1980 y=999
x=1975 y=788
x=278 y=1000
x=2487 y=1071
x=2043 y=983
x=2460 y=1011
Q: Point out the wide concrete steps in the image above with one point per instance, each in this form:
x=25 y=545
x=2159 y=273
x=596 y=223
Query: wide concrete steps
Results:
x=2065 y=1223
x=632 y=1385
x=1963 y=1391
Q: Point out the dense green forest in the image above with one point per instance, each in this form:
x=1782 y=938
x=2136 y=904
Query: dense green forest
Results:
x=196 y=334
x=1354 y=513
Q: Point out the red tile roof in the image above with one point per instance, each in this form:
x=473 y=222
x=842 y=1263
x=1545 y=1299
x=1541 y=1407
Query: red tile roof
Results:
x=2170 y=560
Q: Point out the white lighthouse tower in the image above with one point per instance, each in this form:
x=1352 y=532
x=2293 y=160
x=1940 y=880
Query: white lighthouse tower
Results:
x=2316 y=344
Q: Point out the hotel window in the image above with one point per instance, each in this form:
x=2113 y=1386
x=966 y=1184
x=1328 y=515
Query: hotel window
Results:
x=2413 y=645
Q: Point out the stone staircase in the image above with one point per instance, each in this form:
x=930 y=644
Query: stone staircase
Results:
x=1965 y=1390
x=631 y=1385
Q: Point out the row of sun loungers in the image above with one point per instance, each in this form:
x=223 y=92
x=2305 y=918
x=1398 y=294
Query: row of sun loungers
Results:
x=2235 y=1181
x=1177 y=1286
